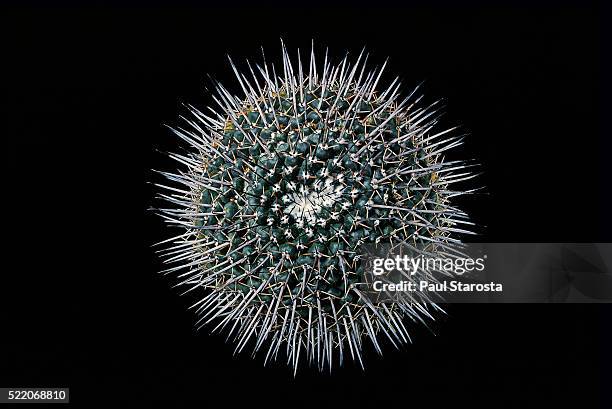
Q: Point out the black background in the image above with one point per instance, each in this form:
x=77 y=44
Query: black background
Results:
x=86 y=90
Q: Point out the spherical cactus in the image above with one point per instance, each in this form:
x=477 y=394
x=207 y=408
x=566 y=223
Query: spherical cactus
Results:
x=281 y=188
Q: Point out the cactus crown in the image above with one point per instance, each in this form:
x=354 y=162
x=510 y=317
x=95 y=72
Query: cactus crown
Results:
x=284 y=186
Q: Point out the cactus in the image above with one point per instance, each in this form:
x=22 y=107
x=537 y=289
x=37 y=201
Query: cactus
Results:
x=280 y=188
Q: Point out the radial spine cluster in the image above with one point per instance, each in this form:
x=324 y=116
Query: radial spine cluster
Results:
x=281 y=187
